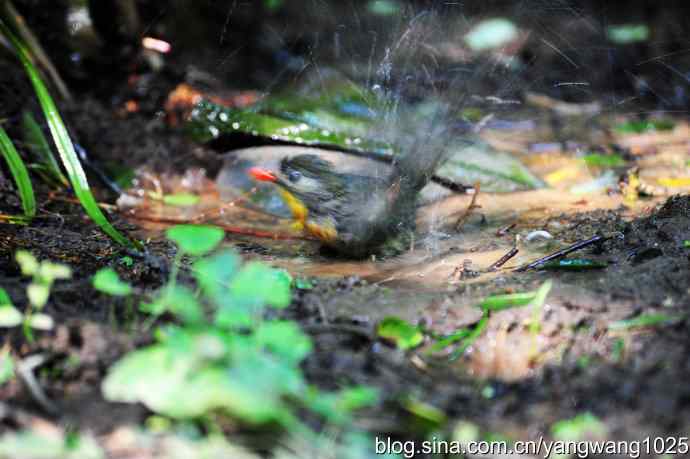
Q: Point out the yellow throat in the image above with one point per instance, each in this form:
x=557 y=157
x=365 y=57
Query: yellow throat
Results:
x=323 y=230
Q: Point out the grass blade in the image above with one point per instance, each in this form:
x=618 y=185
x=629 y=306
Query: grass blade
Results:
x=63 y=143
x=37 y=142
x=20 y=174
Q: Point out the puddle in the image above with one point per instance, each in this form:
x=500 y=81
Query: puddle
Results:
x=444 y=276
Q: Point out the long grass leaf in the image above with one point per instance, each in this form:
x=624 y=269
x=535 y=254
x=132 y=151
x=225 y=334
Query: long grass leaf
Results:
x=20 y=174
x=64 y=144
x=37 y=142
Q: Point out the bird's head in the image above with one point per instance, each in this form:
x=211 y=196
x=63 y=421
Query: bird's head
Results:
x=307 y=184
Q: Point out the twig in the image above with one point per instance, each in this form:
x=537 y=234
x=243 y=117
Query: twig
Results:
x=466 y=214
x=563 y=252
x=54 y=196
x=503 y=231
x=450 y=185
x=504 y=259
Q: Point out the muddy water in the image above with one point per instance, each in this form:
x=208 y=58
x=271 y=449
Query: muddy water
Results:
x=444 y=276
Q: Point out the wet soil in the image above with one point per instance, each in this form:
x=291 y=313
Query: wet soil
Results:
x=512 y=381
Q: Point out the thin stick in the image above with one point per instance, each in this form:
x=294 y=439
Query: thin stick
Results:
x=504 y=259
x=561 y=253
x=466 y=214
x=503 y=231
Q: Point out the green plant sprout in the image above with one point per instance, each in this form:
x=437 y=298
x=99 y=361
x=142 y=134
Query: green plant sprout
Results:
x=466 y=336
x=62 y=140
x=19 y=173
x=37 y=143
x=402 y=333
x=221 y=355
x=43 y=274
x=6 y=365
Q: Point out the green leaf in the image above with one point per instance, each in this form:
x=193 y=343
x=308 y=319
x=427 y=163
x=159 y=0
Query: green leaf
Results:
x=27 y=262
x=6 y=366
x=599 y=160
x=383 y=7
x=471 y=338
x=573 y=264
x=618 y=350
x=491 y=34
x=234 y=315
x=175 y=386
x=425 y=412
x=302 y=283
x=38 y=144
x=401 y=333
x=10 y=316
x=214 y=273
x=273 y=4
x=63 y=142
x=465 y=432
x=258 y=384
x=181 y=199
x=19 y=173
x=41 y=322
x=644 y=320
x=501 y=302
x=355 y=398
x=340 y=105
x=538 y=305
x=5 y=299
x=449 y=340
x=126 y=261
x=639 y=127
x=178 y=300
x=256 y=284
x=151 y=376
x=209 y=122
x=38 y=444
x=195 y=240
x=337 y=408
x=581 y=427
x=107 y=281
x=628 y=33
x=38 y=294
x=49 y=272
x=284 y=339
x=495 y=170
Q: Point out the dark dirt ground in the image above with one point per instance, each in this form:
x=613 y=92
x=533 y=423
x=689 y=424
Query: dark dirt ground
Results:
x=499 y=385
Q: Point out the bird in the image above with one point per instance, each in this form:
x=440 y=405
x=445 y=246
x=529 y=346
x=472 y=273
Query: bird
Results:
x=352 y=215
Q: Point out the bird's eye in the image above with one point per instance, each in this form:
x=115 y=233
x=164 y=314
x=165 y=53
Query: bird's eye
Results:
x=294 y=176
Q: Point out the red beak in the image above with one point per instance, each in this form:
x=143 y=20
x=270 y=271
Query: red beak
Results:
x=262 y=175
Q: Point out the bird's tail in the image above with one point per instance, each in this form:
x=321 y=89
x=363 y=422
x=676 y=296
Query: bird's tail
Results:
x=416 y=165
